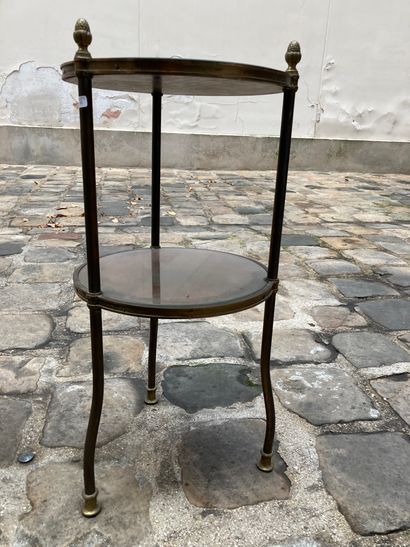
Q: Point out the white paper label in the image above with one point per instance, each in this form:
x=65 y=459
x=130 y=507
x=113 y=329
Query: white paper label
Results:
x=82 y=100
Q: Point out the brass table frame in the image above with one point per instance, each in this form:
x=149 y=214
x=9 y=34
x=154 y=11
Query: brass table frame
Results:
x=171 y=76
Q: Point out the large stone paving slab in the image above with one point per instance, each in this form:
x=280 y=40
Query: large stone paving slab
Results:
x=236 y=219
x=19 y=374
x=283 y=312
x=368 y=475
x=288 y=270
x=208 y=386
x=122 y=354
x=13 y=416
x=361 y=288
x=218 y=466
x=42 y=273
x=292 y=346
x=333 y=267
x=395 y=390
x=341 y=243
x=390 y=314
x=371 y=257
x=7 y=249
x=322 y=395
x=290 y=240
x=369 y=349
x=334 y=317
x=313 y=253
x=48 y=254
x=32 y=297
x=397 y=275
x=78 y=320
x=54 y=491
x=53 y=238
x=309 y=291
x=195 y=340
x=399 y=247
x=25 y=330
x=68 y=411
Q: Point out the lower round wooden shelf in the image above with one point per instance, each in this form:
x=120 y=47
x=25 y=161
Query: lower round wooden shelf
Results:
x=176 y=283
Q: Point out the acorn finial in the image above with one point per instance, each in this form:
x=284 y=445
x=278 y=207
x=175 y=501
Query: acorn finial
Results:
x=82 y=37
x=293 y=56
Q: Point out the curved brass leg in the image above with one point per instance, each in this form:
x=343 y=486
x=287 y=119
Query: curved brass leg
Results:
x=265 y=462
x=91 y=506
x=151 y=397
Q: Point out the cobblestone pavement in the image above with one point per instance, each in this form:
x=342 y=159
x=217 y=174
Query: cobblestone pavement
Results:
x=183 y=472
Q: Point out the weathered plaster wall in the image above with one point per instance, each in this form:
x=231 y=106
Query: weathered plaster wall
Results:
x=355 y=70
x=365 y=80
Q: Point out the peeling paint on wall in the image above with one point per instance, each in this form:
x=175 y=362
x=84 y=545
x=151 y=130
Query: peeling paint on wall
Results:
x=385 y=118
x=33 y=95
x=364 y=92
x=110 y=113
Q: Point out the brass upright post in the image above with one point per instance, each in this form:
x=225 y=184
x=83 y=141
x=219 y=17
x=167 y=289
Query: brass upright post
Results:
x=292 y=57
x=82 y=37
x=151 y=397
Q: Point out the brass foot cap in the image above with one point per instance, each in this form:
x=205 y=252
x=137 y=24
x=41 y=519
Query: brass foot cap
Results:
x=91 y=507
x=151 y=396
x=265 y=462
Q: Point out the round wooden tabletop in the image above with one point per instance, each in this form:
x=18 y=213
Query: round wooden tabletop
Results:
x=178 y=76
x=176 y=283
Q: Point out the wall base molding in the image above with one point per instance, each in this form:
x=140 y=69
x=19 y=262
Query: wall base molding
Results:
x=61 y=146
